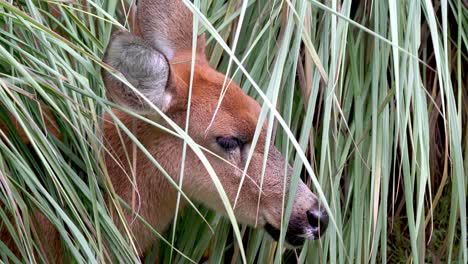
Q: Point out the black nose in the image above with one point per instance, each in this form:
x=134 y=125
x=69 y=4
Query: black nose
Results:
x=318 y=219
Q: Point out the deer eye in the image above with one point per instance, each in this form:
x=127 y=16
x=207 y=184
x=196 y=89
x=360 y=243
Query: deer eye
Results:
x=229 y=143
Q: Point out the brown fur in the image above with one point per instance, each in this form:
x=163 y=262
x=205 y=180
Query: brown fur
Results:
x=166 y=28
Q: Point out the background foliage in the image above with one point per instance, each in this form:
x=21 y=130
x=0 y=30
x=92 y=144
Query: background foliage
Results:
x=375 y=93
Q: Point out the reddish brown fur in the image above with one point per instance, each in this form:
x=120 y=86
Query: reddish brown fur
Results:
x=167 y=27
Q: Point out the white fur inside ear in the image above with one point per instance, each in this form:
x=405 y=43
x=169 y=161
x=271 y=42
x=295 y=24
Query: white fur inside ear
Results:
x=144 y=67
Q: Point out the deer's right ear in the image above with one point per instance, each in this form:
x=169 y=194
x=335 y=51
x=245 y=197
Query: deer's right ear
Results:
x=144 y=67
x=167 y=25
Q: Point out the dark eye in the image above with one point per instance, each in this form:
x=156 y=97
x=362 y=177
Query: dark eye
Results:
x=229 y=143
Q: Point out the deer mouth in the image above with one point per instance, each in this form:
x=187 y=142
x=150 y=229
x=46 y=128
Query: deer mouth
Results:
x=296 y=234
x=295 y=240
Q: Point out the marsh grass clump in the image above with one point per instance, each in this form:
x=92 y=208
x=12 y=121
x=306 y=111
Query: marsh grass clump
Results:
x=372 y=97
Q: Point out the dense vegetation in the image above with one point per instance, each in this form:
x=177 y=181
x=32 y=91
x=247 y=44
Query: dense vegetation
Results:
x=374 y=92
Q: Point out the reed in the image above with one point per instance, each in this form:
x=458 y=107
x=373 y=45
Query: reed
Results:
x=368 y=100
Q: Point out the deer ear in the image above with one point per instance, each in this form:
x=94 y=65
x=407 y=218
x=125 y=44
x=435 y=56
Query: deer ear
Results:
x=144 y=67
x=167 y=25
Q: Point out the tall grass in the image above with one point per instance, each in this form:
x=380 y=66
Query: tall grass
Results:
x=366 y=98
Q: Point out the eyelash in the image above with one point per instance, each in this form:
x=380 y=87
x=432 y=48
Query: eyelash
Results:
x=229 y=143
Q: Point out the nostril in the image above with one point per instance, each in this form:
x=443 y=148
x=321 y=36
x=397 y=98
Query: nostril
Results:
x=318 y=219
x=314 y=218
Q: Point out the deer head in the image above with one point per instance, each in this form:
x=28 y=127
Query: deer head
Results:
x=158 y=64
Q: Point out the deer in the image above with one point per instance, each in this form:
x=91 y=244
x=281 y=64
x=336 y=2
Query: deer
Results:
x=157 y=62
